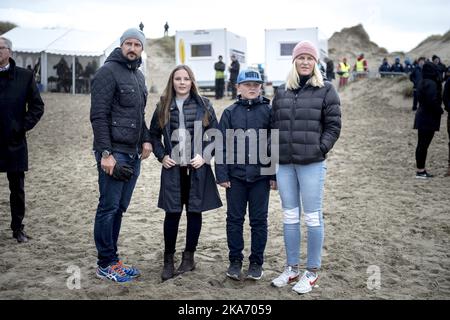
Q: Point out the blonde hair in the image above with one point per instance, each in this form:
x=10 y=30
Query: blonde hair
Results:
x=293 y=79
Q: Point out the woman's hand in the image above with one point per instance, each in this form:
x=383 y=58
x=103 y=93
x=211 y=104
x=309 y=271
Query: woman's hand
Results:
x=168 y=162
x=226 y=184
x=197 y=161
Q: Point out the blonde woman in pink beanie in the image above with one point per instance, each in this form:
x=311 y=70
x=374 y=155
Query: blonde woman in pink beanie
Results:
x=306 y=111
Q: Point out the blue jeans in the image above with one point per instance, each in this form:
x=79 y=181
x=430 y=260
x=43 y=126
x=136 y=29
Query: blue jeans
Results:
x=256 y=195
x=302 y=185
x=114 y=199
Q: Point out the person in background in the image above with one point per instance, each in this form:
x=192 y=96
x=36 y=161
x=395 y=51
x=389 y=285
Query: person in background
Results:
x=428 y=116
x=361 y=67
x=306 y=111
x=446 y=100
x=187 y=179
x=343 y=72
x=234 y=71
x=408 y=66
x=21 y=108
x=219 y=67
x=397 y=66
x=330 y=69
x=244 y=182
x=384 y=67
x=441 y=68
x=166 y=29
x=416 y=77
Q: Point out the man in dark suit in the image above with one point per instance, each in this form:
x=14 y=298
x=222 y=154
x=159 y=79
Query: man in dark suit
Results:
x=21 y=108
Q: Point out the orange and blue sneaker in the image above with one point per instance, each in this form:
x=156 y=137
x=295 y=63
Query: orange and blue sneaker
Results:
x=114 y=273
x=131 y=271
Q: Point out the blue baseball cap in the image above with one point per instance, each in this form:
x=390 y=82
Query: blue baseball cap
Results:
x=249 y=75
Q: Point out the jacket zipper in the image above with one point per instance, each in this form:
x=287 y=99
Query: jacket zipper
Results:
x=291 y=129
x=140 y=111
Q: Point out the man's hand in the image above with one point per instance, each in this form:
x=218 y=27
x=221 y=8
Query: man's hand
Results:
x=107 y=164
x=168 y=162
x=226 y=184
x=147 y=149
x=197 y=161
x=273 y=185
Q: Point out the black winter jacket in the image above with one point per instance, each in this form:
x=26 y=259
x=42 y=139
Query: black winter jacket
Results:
x=118 y=99
x=203 y=193
x=244 y=115
x=429 y=93
x=446 y=95
x=416 y=76
x=308 y=120
x=21 y=107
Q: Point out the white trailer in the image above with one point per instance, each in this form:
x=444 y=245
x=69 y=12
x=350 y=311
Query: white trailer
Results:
x=279 y=46
x=199 y=49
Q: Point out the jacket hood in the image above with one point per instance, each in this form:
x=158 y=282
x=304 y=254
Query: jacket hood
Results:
x=117 y=56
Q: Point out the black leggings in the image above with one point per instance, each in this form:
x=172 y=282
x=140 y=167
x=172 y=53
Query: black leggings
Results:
x=172 y=220
x=423 y=142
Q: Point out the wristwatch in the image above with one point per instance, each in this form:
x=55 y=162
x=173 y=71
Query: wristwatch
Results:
x=106 y=154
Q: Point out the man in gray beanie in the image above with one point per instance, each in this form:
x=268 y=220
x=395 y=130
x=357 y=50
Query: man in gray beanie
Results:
x=121 y=140
x=133 y=33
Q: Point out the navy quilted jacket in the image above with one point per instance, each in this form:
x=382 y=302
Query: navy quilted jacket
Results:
x=118 y=99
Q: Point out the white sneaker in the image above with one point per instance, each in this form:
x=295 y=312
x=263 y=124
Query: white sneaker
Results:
x=289 y=275
x=306 y=282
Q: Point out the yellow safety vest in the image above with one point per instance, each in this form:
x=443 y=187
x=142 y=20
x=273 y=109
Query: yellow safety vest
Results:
x=360 y=65
x=345 y=68
x=220 y=75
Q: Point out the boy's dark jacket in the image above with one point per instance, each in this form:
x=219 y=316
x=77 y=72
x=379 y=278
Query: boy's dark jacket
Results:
x=244 y=114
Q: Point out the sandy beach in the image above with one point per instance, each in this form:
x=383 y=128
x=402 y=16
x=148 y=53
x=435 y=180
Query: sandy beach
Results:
x=377 y=215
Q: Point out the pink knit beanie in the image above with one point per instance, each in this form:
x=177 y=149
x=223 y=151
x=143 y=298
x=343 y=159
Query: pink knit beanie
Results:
x=305 y=47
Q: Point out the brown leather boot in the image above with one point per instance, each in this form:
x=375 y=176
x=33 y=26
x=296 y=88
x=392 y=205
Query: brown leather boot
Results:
x=187 y=264
x=168 y=268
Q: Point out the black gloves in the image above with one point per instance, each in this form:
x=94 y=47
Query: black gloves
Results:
x=122 y=172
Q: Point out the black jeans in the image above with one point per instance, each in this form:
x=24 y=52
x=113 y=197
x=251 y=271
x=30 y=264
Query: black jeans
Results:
x=219 y=88
x=17 y=198
x=256 y=194
x=423 y=142
x=232 y=84
x=172 y=220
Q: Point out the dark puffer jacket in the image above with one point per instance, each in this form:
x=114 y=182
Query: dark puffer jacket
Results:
x=429 y=93
x=118 y=100
x=309 y=122
x=244 y=115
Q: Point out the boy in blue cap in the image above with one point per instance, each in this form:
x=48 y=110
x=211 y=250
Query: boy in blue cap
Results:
x=240 y=172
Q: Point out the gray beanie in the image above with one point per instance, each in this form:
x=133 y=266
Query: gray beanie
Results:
x=133 y=33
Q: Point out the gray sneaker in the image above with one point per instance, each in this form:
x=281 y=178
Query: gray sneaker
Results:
x=255 y=271
x=234 y=270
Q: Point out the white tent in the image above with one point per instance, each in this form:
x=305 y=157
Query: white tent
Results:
x=51 y=45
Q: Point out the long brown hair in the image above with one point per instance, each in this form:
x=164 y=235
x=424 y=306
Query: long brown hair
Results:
x=169 y=94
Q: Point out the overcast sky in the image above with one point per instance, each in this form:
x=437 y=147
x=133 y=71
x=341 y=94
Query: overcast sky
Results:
x=397 y=25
